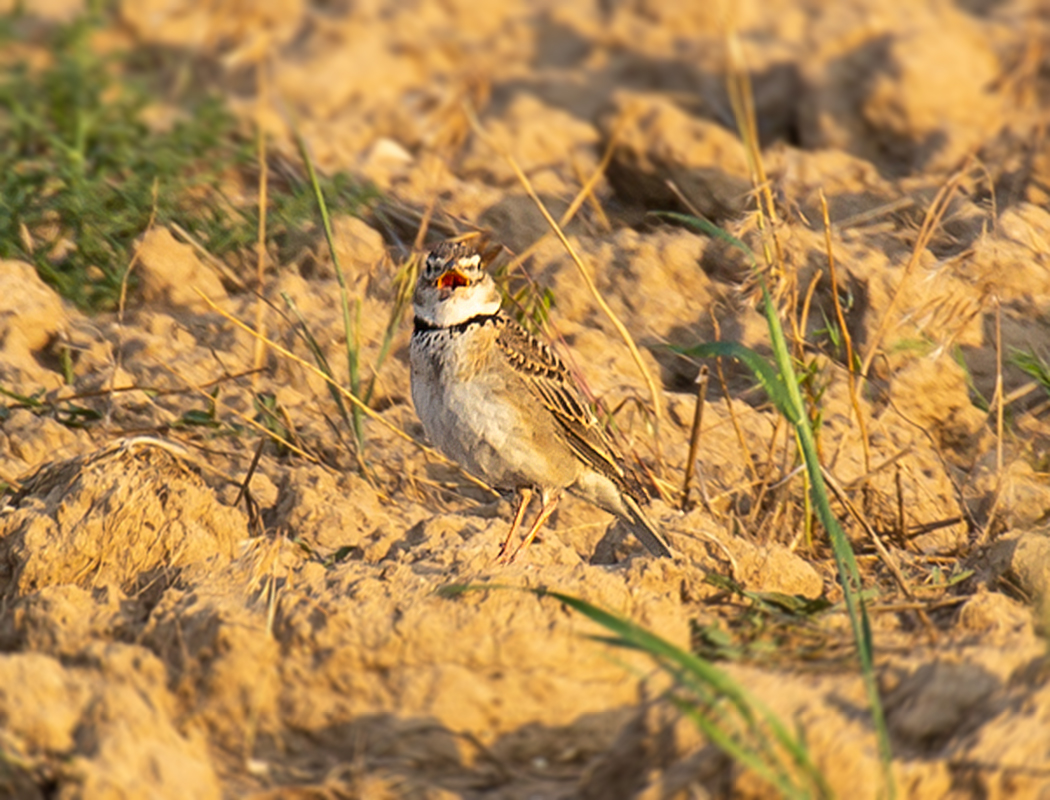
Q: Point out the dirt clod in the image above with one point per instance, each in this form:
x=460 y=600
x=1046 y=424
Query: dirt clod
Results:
x=132 y=517
x=171 y=273
x=338 y=625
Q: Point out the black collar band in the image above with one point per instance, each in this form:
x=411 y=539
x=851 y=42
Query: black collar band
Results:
x=423 y=325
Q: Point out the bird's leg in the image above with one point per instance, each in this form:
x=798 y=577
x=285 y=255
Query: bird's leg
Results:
x=545 y=511
x=524 y=496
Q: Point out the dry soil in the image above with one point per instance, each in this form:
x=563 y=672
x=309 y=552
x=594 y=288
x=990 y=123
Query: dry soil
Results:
x=159 y=637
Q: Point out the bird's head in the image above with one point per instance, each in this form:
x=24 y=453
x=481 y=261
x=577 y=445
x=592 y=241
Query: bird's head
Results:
x=454 y=284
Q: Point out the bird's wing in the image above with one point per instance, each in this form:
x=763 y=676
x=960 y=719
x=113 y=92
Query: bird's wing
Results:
x=550 y=381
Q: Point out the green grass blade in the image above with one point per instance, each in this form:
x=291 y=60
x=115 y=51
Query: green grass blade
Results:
x=703 y=678
x=1032 y=365
x=770 y=379
x=392 y=326
x=739 y=751
x=794 y=410
x=25 y=400
x=319 y=357
x=349 y=330
x=845 y=561
x=707 y=227
x=721 y=708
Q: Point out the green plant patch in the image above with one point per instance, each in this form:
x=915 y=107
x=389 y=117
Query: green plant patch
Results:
x=773 y=627
x=65 y=412
x=82 y=174
x=734 y=721
x=1033 y=365
x=782 y=383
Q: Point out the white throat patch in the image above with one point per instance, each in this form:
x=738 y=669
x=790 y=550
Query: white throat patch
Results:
x=478 y=300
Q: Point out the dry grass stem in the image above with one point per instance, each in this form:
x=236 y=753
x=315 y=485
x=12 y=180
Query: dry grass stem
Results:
x=902 y=523
x=1020 y=392
x=694 y=434
x=621 y=329
x=251 y=423
x=586 y=191
x=741 y=99
x=900 y=204
x=999 y=400
x=259 y=355
x=889 y=462
x=724 y=386
x=118 y=349
x=592 y=198
x=424 y=224
x=271 y=599
x=134 y=260
x=208 y=258
x=884 y=554
x=846 y=338
x=934 y=214
x=807 y=301
x=365 y=409
x=152 y=390
x=685 y=201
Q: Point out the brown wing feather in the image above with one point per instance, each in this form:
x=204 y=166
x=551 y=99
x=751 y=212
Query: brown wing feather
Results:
x=550 y=380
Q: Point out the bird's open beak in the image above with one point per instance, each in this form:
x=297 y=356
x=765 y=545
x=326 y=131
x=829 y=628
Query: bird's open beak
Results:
x=452 y=279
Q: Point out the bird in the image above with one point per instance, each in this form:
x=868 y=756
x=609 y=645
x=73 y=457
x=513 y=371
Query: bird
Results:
x=503 y=405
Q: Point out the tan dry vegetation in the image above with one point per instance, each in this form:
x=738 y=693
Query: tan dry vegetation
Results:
x=160 y=640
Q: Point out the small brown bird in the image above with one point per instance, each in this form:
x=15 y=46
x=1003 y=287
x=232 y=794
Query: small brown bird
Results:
x=501 y=403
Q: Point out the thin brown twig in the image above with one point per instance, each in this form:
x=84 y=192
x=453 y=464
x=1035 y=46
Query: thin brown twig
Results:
x=694 y=434
x=245 y=490
x=884 y=554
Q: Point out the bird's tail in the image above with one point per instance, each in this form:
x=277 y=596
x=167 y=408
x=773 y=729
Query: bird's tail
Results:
x=644 y=529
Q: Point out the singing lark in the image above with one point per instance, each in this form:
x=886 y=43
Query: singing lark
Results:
x=504 y=405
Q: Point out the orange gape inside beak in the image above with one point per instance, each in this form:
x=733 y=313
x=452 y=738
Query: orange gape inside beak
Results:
x=453 y=279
